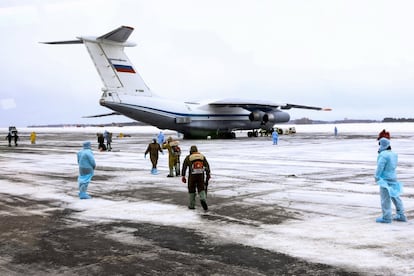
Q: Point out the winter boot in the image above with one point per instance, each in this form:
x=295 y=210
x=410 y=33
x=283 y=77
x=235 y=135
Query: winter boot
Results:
x=82 y=191
x=400 y=217
x=204 y=204
x=84 y=195
x=203 y=200
x=171 y=174
x=382 y=220
x=192 y=197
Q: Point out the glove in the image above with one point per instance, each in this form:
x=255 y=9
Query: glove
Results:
x=183 y=179
x=208 y=177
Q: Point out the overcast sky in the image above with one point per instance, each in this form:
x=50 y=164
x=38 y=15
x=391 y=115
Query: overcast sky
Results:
x=356 y=57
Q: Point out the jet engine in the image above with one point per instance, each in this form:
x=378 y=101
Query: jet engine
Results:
x=256 y=116
x=276 y=117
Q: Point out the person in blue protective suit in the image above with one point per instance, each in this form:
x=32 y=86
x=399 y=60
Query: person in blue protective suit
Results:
x=86 y=162
x=390 y=188
x=160 y=138
x=275 y=137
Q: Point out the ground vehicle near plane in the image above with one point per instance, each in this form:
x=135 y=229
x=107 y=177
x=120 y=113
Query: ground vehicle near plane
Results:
x=126 y=93
x=267 y=132
x=289 y=130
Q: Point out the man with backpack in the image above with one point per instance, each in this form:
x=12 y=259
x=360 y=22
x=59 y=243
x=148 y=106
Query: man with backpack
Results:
x=198 y=167
x=174 y=153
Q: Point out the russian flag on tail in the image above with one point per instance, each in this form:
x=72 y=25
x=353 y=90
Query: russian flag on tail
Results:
x=123 y=68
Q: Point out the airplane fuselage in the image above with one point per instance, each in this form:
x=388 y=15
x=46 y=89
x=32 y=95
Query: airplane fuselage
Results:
x=194 y=120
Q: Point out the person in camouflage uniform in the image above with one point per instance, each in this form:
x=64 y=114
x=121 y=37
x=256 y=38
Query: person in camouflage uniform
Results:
x=174 y=153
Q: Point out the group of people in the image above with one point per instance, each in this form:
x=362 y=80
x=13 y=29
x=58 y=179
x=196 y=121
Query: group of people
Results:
x=199 y=173
x=12 y=135
x=102 y=138
x=195 y=162
x=174 y=152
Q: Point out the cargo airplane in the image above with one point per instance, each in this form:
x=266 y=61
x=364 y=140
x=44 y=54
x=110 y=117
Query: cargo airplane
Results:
x=126 y=93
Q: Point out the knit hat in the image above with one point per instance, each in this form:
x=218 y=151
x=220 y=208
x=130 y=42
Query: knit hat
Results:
x=384 y=144
x=193 y=149
x=87 y=145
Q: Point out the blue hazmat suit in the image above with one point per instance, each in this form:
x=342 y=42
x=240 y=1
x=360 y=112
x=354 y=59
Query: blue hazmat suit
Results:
x=275 y=137
x=386 y=178
x=86 y=162
x=161 y=138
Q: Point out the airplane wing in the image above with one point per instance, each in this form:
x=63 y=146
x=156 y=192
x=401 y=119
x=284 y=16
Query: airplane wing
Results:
x=253 y=105
x=120 y=35
x=102 y=115
x=76 y=41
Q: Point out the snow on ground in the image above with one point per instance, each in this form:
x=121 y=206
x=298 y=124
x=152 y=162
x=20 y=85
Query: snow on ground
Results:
x=323 y=184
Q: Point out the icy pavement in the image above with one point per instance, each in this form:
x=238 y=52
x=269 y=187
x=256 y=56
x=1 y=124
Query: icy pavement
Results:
x=312 y=196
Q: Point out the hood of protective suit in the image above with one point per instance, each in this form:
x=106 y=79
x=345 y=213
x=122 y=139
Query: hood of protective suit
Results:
x=384 y=144
x=87 y=145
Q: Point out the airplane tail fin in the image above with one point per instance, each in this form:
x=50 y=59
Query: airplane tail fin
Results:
x=115 y=69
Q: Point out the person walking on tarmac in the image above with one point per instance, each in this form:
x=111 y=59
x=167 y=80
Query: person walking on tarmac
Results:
x=86 y=162
x=198 y=167
x=153 y=149
x=108 y=138
x=9 y=138
x=16 y=138
x=101 y=142
x=275 y=136
x=33 y=137
x=174 y=153
x=161 y=138
x=390 y=187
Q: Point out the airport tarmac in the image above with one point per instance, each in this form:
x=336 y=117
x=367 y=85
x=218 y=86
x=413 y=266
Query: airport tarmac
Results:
x=306 y=206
